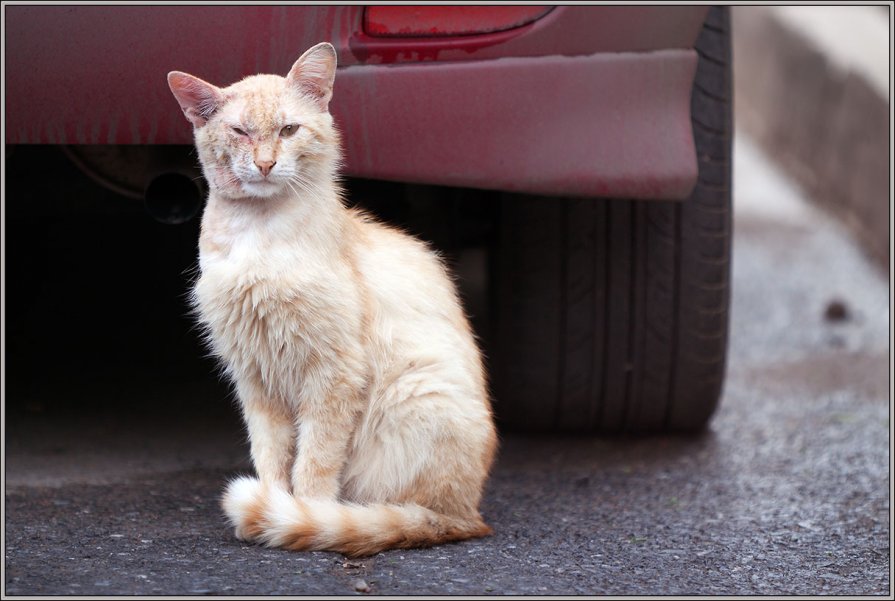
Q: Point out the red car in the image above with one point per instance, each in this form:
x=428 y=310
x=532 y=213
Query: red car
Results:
x=585 y=149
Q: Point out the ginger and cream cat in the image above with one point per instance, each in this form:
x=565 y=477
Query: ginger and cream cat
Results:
x=360 y=381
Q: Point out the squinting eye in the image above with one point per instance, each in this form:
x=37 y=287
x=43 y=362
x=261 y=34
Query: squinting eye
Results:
x=239 y=131
x=288 y=131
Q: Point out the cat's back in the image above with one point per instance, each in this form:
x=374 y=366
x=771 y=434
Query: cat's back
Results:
x=415 y=298
x=401 y=270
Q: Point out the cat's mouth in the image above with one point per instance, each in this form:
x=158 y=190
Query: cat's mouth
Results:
x=259 y=182
x=260 y=187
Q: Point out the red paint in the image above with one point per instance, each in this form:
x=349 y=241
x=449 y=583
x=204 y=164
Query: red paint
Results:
x=564 y=31
x=438 y=20
x=445 y=112
x=552 y=125
x=372 y=50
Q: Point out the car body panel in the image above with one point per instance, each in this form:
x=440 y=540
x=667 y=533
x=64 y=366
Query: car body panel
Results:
x=543 y=135
x=587 y=101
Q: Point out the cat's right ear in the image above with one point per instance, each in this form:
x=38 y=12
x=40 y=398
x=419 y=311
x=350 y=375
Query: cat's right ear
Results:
x=198 y=99
x=313 y=74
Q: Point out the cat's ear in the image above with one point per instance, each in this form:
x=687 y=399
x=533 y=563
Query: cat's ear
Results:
x=198 y=99
x=313 y=74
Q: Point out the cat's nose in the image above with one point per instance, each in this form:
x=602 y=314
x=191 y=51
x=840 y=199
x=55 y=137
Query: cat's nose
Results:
x=265 y=166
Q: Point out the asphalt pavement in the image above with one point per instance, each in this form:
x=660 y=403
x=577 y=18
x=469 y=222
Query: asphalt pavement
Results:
x=787 y=493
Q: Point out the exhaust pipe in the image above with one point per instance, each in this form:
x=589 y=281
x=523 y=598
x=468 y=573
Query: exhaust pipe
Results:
x=173 y=197
x=165 y=178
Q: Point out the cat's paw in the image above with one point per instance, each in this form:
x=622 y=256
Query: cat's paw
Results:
x=243 y=502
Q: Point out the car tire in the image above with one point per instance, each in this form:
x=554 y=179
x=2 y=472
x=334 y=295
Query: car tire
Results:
x=611 y=316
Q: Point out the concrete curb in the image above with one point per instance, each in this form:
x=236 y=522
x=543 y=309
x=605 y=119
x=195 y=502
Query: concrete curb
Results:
x=824 y=118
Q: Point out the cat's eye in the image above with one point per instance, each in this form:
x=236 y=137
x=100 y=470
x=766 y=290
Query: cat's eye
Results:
x=239 y=132
x=288 y=130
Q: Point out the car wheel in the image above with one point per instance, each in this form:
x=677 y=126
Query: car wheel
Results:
x=611 y=315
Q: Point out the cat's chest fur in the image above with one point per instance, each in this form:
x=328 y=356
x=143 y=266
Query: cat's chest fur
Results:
x=274 y=307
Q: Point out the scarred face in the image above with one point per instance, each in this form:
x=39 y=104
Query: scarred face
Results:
x=265 y=135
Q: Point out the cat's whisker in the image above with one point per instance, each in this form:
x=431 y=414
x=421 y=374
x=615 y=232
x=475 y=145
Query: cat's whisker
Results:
x=303 y=185
x=309 y=182
x=291 y=187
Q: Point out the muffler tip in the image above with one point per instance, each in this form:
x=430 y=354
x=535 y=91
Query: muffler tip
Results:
x=173 y=198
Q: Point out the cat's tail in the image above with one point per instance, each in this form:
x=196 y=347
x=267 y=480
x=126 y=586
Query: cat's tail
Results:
x=274 y=517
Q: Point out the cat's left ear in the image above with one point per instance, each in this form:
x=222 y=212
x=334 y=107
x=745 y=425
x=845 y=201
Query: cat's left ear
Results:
x=197 y=98
x=313 y=74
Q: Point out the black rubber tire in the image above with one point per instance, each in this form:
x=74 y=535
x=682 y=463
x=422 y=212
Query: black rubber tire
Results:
x=611 y=316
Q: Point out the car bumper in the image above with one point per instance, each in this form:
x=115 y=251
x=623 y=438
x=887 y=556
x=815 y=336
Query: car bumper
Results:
x=587 y=101
x=601 y=125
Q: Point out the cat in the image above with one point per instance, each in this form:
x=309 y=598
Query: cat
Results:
x=360 y=380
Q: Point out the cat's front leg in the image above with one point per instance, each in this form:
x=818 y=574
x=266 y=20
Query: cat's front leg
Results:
x=271 y=430
x=326 y=426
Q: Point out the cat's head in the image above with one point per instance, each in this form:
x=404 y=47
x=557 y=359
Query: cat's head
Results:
x=266 y=135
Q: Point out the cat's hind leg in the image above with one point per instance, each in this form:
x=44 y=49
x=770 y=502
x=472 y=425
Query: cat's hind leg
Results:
x=423 y=442
x=413 y=477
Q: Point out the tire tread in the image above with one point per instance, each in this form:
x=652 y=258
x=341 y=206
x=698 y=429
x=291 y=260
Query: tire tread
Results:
x=613 y=314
